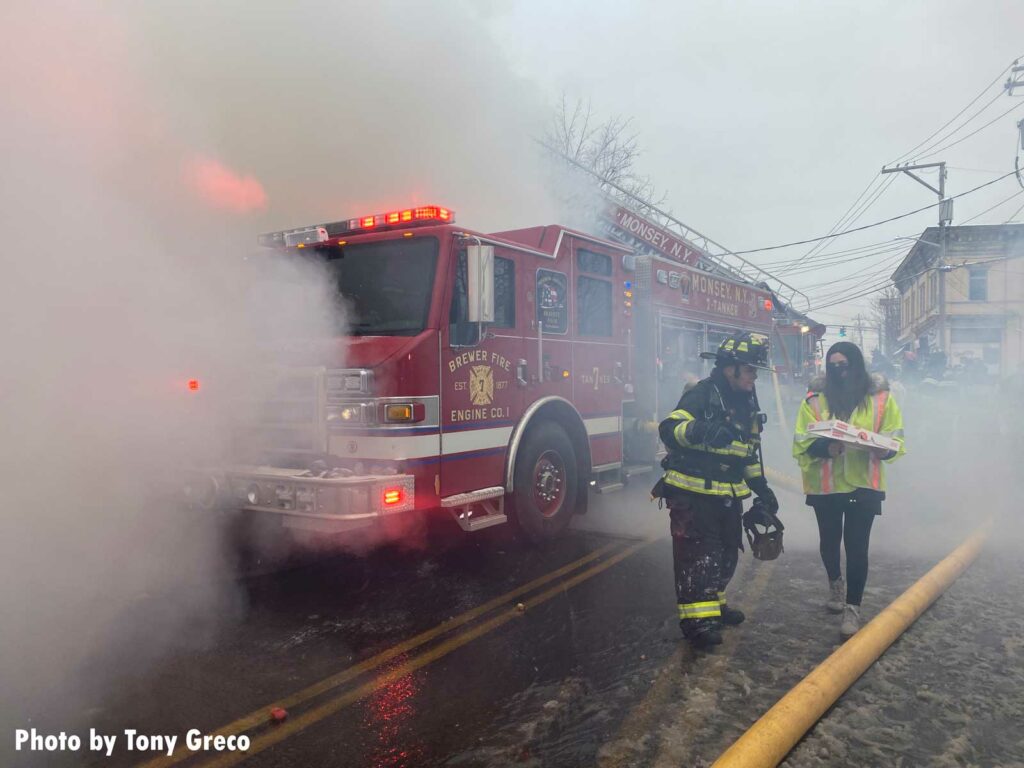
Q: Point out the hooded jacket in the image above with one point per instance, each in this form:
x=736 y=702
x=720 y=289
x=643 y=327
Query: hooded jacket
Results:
x=854 y=468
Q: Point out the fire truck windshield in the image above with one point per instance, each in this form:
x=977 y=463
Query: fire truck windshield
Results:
x=386 y=285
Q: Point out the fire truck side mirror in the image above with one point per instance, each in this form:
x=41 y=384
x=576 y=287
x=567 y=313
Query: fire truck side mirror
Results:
x=480 y=283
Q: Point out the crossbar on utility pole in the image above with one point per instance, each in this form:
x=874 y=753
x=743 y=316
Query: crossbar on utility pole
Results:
x=1012 y=81
x=945 y=217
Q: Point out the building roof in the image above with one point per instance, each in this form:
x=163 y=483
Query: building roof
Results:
x=959 y=239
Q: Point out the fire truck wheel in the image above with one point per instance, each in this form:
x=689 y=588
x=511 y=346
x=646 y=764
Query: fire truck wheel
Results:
x=545 y=482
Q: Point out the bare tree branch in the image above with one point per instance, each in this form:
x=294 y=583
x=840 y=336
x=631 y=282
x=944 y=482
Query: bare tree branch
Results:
x=609 y=149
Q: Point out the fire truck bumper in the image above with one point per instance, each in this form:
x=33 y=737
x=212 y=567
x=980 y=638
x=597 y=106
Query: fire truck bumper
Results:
x=323 y=504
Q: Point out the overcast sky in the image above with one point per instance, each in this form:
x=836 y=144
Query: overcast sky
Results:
x=761 y=121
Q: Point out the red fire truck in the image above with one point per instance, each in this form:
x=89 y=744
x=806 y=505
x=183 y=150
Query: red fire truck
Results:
x=492 y=376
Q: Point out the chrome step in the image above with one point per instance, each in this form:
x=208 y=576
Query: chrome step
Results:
x=472 y=497
x=477 y=510
x=609 y=487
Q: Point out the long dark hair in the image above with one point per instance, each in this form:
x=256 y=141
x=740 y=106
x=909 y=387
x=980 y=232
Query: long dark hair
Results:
x=845 y=394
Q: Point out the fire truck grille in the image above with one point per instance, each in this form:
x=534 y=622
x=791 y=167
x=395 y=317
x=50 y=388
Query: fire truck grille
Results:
x=289 y=419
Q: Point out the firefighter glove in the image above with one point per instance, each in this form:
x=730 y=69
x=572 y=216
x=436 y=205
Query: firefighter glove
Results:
x=767 y=496
x=717 y=434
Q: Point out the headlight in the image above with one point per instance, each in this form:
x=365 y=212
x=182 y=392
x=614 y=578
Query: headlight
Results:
x=252 y=494
x=349 y=413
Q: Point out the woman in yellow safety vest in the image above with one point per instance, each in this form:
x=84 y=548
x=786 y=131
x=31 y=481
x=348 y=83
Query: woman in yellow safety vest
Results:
x=845 y=484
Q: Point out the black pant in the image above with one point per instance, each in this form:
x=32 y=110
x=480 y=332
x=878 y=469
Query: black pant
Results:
x=844 y=518
x=706 y=536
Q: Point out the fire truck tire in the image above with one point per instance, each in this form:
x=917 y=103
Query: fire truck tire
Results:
x=546 y=475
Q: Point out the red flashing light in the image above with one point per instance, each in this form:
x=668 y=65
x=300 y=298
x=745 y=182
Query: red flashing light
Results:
x=393 y=496
x=193 y=385
x=423 y=214
x=768 y=305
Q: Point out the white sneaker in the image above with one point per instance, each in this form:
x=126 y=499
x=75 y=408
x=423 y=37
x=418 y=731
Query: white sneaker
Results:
x=851 y=621
x=836 y=596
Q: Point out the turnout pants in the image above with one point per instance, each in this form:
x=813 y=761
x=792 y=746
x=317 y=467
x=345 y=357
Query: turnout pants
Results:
x=706 y=537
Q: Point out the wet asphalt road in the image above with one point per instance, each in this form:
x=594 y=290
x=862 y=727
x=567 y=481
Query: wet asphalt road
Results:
x=410 y=658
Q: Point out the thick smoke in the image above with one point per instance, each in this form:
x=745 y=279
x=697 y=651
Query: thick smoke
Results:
x=145 y=147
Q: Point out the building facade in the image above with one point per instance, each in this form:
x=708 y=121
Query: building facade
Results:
x=963 y=304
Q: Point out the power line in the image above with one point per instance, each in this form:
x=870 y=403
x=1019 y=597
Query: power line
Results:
x=872 y=269
x=884 y=283
x=1001 y=202
x=972 y=133
x=1014 y=215
x=867 y=204
x=841 y=221
x=973 y=170
x=846 y=259
x=925 y=152
x=858 y=249
x=952 y=119
x=851 y=215
x=875 y=224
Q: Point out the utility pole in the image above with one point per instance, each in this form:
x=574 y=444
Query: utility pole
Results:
x=945 y=218
x=1015 y=79
x=860 y=332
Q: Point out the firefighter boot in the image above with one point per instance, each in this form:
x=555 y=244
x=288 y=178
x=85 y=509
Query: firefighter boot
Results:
x=730 y=616
x=702 y=634
x=836 y=596
x=851 y=621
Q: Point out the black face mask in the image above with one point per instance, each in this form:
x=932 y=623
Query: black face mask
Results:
x=845 y=388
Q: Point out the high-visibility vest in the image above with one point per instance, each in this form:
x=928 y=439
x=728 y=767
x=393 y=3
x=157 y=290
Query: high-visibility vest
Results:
x=853 y=468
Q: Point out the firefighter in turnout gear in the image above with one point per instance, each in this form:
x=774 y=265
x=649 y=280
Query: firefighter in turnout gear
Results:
x=713 y=440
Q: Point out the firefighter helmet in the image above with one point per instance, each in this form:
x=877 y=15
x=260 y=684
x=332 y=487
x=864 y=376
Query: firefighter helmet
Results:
x=766 y=544
x=743 y=348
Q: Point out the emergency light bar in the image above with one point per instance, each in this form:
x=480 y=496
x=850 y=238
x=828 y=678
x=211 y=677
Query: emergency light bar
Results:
x=425 y=214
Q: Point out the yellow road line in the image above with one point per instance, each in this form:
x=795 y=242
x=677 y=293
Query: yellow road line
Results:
x=294 y=725
x=260 y=716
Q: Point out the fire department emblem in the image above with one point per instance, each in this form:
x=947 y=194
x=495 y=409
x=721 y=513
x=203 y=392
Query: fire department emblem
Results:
x=481 y=384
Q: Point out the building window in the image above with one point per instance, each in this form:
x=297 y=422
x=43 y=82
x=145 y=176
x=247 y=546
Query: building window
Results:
x=976 y=335
x=978 y=283
x=594 y=306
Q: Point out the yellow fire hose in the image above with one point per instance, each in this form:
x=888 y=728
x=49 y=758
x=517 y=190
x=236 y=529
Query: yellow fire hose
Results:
x=771 y=738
